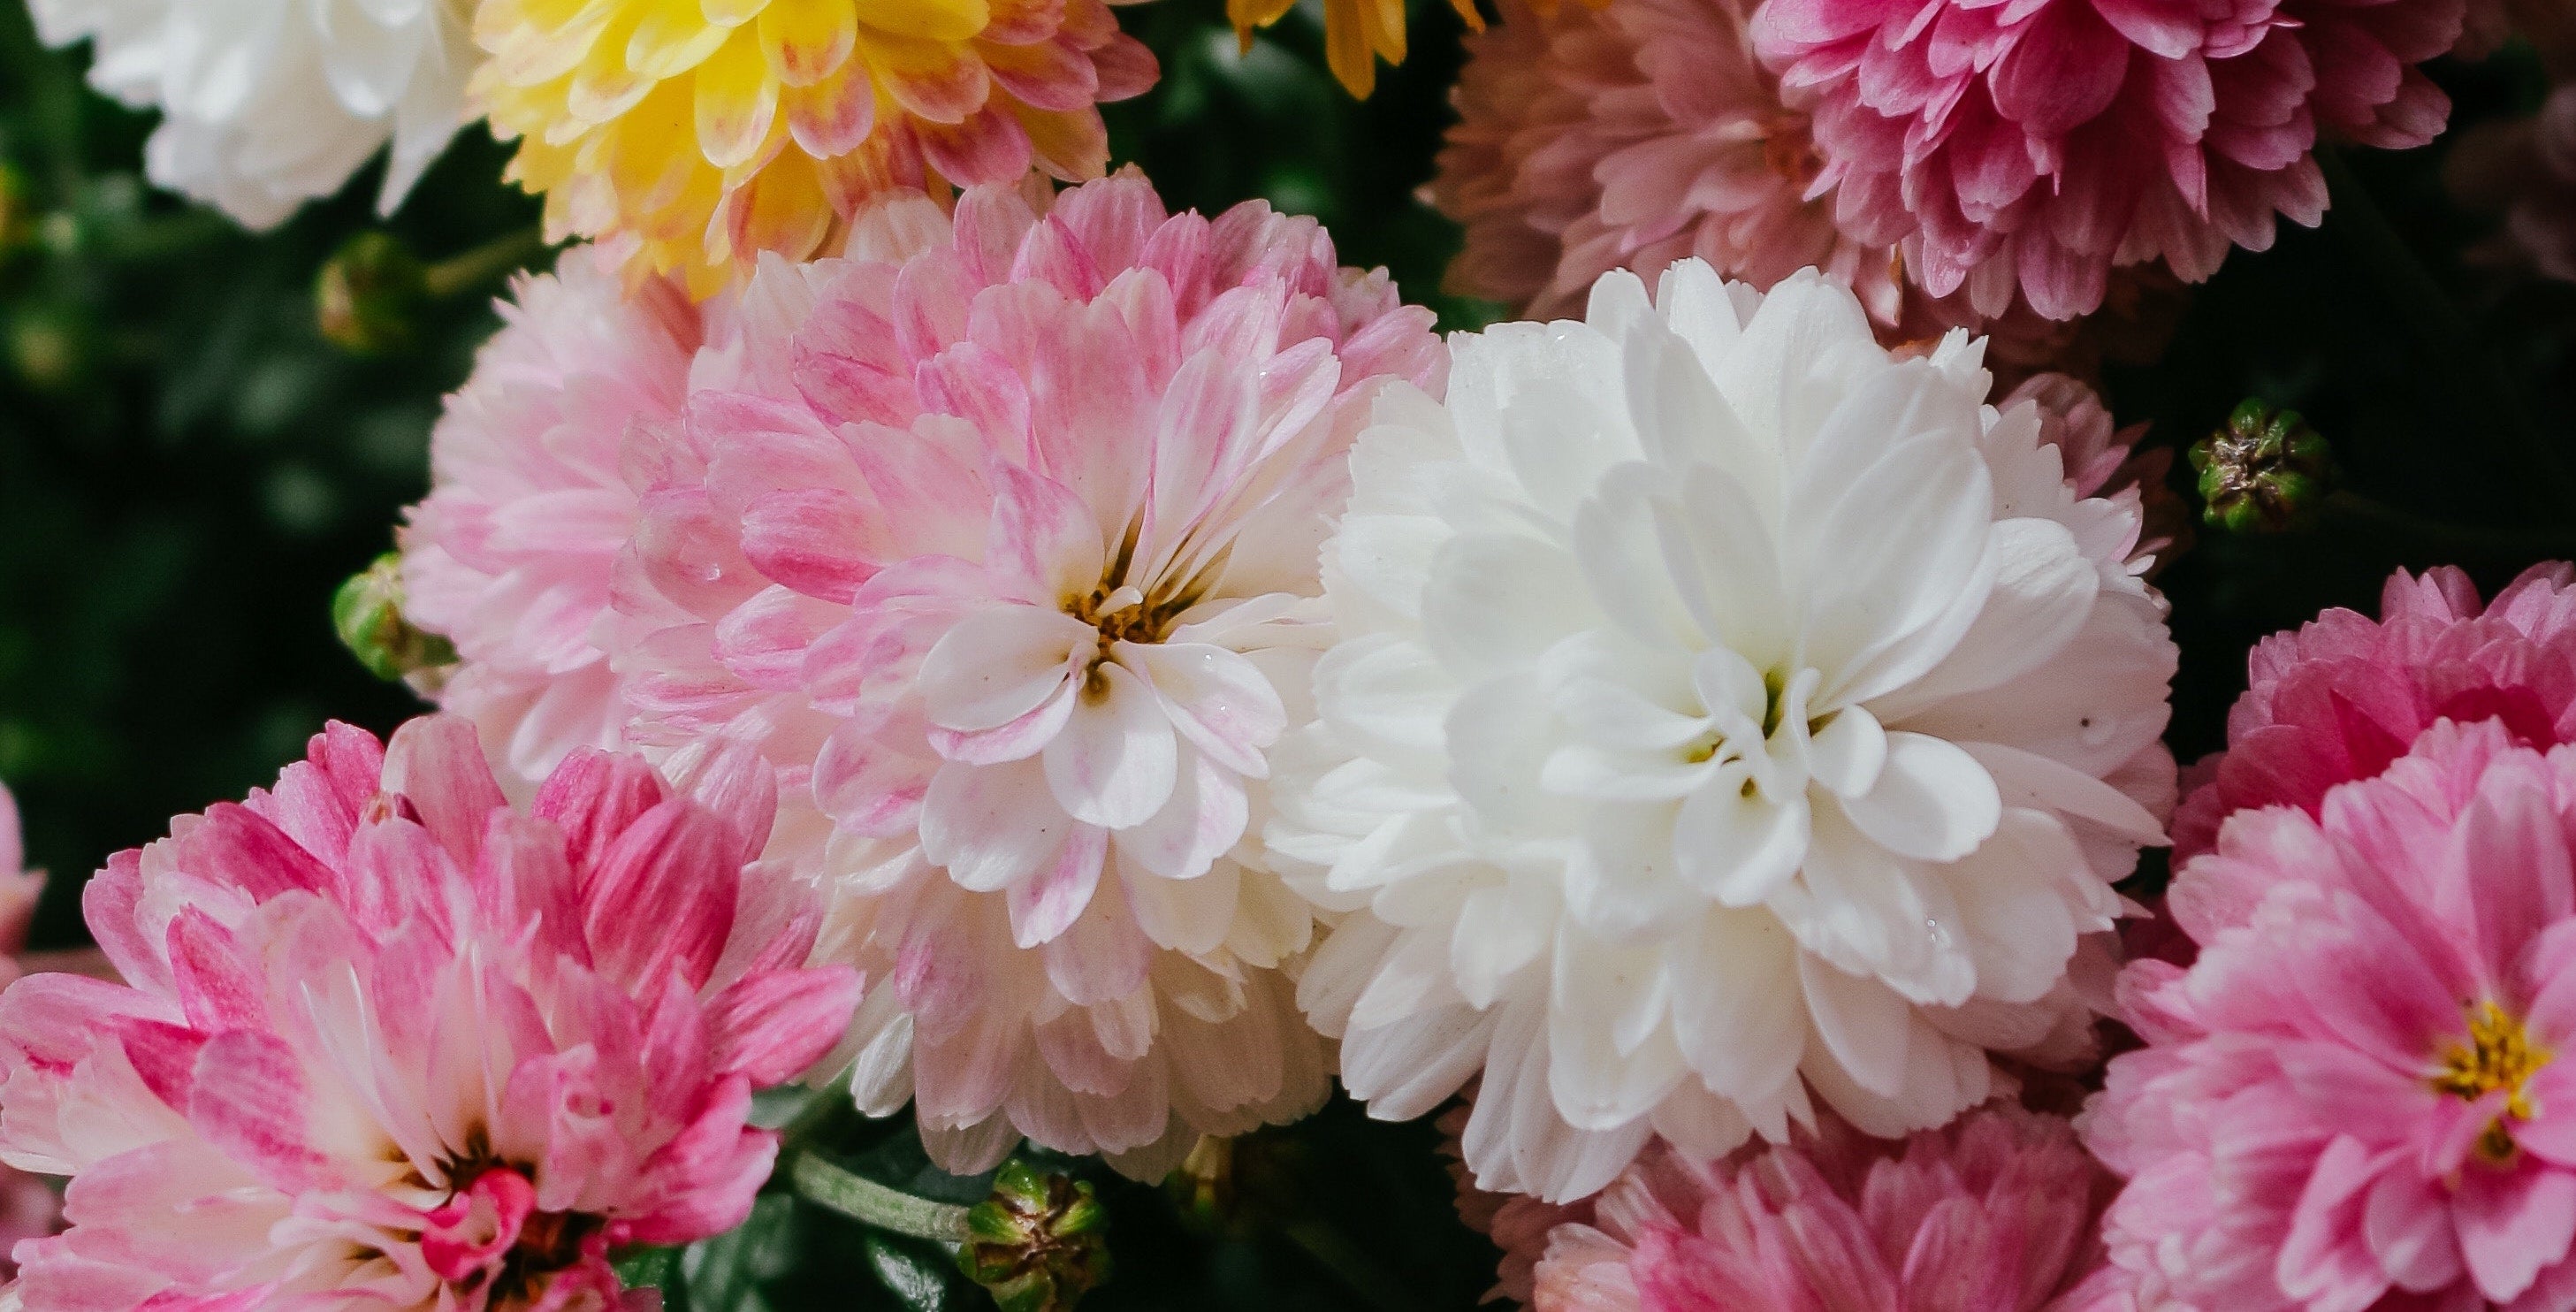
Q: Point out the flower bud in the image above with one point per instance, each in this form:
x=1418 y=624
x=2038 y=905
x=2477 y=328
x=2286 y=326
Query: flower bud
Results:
x=367 y=613
x=2265 y=472
x=1038 y=1242
x=369 y=296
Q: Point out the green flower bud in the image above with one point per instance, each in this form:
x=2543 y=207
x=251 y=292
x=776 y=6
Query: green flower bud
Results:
x=1038 y=1242
x=370 y=293
x=2265 y=472
x=367 y=612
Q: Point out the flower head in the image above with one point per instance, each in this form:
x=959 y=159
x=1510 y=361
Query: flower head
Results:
x=269 y=104
x=2344 y=695
x=714 y=133
x=513 y=555
x=386 y=1041
x=1629 y=136
x=1997 y=1214
x=2035 y=146
x=1005 y=549
x=2360 y=1090
x=28 y=1207
x=1725 y=713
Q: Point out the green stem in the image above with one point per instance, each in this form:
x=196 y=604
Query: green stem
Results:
x=2440 y=324
x=2466 y=540
x=1337 y=1254
x=463 y=273
x=869 y=1203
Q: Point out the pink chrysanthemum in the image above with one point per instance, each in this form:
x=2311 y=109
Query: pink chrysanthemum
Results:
x=2357 y=1096
x=1627 y=137
x=28 y=1207
x=2034 y=146
x=388 y=1043
x=512 y=555
x=2344 y=695
x=1994 y=1213
x=1008 y=545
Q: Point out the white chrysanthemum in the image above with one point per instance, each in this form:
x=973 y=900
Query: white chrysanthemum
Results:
x=269 y=103
x=1726 y=714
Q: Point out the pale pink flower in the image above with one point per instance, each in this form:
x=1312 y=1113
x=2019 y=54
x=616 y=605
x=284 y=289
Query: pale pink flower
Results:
x=2032 y=147
x=512 y=555
x=1008 y=545
x=1994 y=1213
x=1628 y=136
x=2344 y=695
x=2356 y=1096
x=388 y=1043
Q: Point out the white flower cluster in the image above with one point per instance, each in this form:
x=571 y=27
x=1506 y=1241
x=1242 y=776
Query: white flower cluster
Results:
x=269 y=103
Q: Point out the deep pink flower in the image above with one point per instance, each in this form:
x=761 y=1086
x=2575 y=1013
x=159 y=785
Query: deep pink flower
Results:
x=1005 y=550
x=2344 y=695
x=29 y=1208
x=1628 y=136
x=512 y=555
x=2033 y=146
x=2356 y=1097
x=1993 y=1213
x=387 y=1042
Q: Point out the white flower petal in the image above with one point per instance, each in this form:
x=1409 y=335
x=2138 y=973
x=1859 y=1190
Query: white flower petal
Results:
x=1001 y=663
x=1932 y=801
x=1733 y=843
x=1217 y=698
x=1117 y=760
x=992 y=825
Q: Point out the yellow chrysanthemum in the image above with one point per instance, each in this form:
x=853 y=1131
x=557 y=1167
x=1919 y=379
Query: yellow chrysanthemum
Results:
x=1357 y=33
x=712 y=130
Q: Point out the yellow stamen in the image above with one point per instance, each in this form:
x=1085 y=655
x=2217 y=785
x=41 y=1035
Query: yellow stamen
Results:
x=2498 y=1055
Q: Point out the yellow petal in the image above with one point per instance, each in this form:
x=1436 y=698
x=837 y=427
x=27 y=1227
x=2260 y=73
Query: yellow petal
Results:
x=833 y=117
x=737 y=102
x=1346 y=47
x=672 y=37
x=735 y=13
x=810 y=41
x=787 y=212
x=604 y=87
x=936 y=80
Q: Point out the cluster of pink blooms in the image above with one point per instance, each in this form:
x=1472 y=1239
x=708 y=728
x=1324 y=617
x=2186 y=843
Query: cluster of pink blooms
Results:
x=1997 y=1212
x=382 y=1039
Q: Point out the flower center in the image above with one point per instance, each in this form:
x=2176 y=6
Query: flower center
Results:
x=1788 y=151
x=490 y=1234
x=2498 y=1056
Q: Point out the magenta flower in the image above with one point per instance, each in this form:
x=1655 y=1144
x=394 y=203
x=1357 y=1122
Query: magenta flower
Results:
x=28 y=1207
x=512 y=556
x=2345 y=695
x=1994 y=1213
x=2034 y=146
x=387 y=1042
x=2355 y=1097
x=1008 y=547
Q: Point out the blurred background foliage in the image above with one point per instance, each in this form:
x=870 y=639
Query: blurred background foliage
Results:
x=188 y=469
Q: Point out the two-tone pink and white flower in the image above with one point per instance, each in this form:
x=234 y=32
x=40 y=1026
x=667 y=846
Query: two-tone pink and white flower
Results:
x=385 y=1041
x=1007 y=544
x=512 y=557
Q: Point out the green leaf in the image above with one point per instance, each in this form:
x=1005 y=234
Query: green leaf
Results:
x=724 y=1274
x=919 y=1275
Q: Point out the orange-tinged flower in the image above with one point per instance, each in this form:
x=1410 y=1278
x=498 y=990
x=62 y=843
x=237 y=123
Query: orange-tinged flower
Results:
x=1357 y=33
x=713 y=130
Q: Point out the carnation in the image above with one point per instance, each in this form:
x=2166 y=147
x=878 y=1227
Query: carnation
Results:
x=712 y=136
x=383 y=1040
x=2032 y=148
x=1627 y=136
x=2351 y=1099
x=28 y=1207
x=1997 y=1214
x=273 y=103
x=1005 y=553
x=1725 y=715
x=512 y=556
x=2344 y=695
